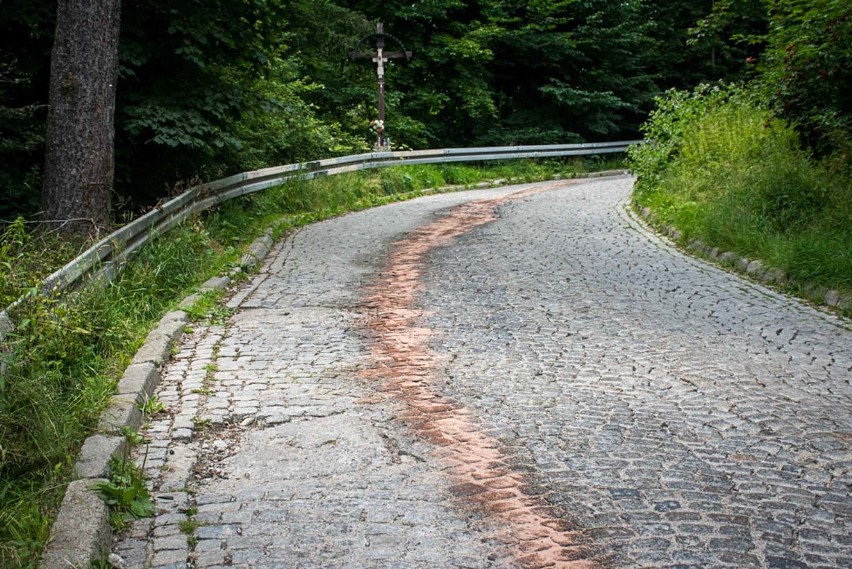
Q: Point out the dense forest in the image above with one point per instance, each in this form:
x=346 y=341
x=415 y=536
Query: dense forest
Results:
x=208 y=88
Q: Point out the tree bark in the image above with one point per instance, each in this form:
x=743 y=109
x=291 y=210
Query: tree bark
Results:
x=78 y=170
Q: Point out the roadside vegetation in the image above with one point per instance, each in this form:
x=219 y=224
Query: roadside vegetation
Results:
x=764 y=168
x=61 y=364
x=723 y=169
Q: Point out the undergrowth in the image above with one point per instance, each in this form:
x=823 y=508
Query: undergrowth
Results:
x=721 y=168
x=61 y=364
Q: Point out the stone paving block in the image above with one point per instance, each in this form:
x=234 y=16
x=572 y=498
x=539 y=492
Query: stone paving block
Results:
x=139 y=379
x=169 y=558
x=673 y=413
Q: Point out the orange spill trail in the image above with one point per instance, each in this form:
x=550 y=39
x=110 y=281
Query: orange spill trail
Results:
x=404 y=366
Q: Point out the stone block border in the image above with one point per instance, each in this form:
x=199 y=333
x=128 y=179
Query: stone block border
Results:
x=752 y=268
x=81 y=533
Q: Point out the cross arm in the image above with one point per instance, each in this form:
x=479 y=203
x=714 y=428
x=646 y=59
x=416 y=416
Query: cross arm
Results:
x=386 y=54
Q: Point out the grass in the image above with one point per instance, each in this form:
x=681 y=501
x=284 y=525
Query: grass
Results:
x=736 y=178
x=64 y=359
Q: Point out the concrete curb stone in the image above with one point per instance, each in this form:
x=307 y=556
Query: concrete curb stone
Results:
x=81 y=532
x=158 y=345
x=257 y=251
x=122 y=412
x=140 y=380
x=97 y=451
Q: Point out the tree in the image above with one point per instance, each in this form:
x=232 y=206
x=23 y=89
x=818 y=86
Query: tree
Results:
x=807 y=70
x=25 y=43
x=78 y=170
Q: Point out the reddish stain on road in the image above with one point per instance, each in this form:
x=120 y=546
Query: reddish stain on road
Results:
x=404 y=366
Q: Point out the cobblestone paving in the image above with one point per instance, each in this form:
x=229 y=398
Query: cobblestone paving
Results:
x=677 y=415
x=682 y=416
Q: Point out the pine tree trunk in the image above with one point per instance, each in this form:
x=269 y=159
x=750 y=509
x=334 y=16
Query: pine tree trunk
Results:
x=78 y=170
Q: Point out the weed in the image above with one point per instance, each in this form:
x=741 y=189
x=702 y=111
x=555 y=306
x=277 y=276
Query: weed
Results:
x=126 y=495
x=189 y=525
x=134 y=437
x=151 y=406
x=204 y=305
x=201 y=424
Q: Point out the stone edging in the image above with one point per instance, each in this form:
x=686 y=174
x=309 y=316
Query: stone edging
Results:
x=753 y=268
x=81 y=533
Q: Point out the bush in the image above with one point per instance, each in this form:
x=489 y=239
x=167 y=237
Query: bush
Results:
x=723 y=169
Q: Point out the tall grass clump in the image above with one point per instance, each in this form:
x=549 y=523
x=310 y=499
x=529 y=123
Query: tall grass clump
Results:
x=720 y=167
x=60 y=368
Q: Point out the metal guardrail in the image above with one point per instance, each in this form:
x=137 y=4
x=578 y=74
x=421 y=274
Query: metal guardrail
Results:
x=105 y=258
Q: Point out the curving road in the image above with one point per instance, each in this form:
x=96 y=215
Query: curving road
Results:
x=522 y=377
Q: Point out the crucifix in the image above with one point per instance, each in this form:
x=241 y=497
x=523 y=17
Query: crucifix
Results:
x=380 y=57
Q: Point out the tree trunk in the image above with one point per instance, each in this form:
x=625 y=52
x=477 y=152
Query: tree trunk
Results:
x=78 y=169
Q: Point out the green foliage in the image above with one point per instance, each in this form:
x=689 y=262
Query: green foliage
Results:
x=126 y=494
x=61 y=366
x=189 y=525
x=284 y=128
x=151 y=406
x=134 y=437
x=245 y=84
x=27 y=257
x=807 y=70
x=728 y=172
x=26 y=521
x=665 y=130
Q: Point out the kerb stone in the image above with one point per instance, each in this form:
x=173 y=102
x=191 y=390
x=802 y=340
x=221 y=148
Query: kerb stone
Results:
x=140 y=380
x=256 y=252
x=93 y=461
x=216 y=283
x=158 y=345
x=81 y=532
x=123 y=411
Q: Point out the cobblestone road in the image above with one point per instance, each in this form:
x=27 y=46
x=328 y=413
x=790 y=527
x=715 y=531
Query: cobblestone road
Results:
x=423 y=385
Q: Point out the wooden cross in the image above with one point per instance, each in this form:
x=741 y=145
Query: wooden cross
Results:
x=380 y=57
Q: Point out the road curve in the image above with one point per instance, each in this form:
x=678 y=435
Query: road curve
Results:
x=522 y=377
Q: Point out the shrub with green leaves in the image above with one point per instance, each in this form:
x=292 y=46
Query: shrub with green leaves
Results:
x=722 y=168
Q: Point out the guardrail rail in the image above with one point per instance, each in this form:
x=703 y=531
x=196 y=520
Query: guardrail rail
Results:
x=104 y=259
